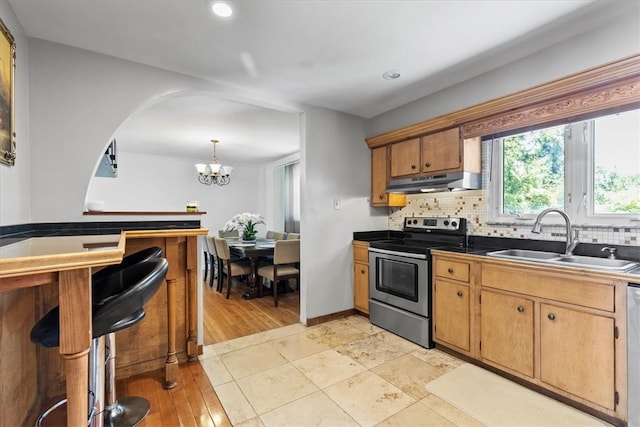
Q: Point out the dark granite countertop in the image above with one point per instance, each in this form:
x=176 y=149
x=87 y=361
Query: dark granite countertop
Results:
x=372 y=236
x=15 y=233
x=479 y=245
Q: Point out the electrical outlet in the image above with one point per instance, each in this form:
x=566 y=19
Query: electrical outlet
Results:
x=336 y=204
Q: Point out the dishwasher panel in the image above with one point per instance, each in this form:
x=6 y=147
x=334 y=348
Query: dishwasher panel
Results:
x=633 y=354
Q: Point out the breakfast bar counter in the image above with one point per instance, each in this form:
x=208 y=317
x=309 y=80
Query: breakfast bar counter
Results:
x=67 y=261
x=39 y=273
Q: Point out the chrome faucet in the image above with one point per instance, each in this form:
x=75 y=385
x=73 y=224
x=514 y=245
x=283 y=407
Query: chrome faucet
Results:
x=612 y=251
x=571 y=242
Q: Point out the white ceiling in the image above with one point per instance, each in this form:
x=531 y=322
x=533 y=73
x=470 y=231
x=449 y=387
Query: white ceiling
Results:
x=327 y=53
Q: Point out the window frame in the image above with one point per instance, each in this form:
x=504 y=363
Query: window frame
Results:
x=579 y=172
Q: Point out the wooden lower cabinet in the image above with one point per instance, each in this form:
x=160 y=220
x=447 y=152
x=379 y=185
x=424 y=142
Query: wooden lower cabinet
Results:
x=451 y=314
x=507 y=331
x=361 y=276
x=563 y=330
x=577 y=353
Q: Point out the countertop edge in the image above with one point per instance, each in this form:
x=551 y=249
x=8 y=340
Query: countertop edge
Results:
x=481 y=255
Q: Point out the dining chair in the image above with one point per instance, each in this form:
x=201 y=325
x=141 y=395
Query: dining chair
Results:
x=214 y=262
x=228 y=233
x=286 y=256
x=232 y=269
x=293 y=236
x=207 y=257
x=276 y=235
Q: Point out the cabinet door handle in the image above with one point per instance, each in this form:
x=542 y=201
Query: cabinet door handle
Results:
x=459 y=293
x=413 y=166
x=361 y=271
x=427 y=165
x=551 y=316
x=381 y=197
x=450 y=270
x=520 y=309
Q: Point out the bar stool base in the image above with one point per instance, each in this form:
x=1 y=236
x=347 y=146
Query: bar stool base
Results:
x=128 y=412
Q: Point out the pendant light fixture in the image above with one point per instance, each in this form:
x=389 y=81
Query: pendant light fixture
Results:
x=214 y=172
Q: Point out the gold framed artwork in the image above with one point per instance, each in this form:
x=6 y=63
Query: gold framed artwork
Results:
x=7 y=70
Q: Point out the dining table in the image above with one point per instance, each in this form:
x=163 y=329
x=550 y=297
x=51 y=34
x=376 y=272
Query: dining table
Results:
x=252 y=250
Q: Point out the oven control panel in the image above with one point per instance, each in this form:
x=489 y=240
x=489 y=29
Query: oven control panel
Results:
x=434 y=223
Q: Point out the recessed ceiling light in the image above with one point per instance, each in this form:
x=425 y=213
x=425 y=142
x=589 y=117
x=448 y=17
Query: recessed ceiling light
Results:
x=391 y=75
x=223 y=10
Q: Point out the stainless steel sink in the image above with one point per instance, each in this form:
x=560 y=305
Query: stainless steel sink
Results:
x=525 y=254
x=607 y=264
x=598 y=263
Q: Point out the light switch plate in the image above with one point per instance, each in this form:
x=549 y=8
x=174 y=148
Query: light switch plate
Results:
x=336 y=204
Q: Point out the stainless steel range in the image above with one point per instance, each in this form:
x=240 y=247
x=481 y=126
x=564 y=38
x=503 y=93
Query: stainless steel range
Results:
x=400 y=275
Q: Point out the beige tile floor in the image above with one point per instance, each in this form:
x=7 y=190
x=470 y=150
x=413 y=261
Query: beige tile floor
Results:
x=341 y=373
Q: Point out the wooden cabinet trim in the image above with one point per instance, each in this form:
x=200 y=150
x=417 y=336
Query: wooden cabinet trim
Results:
x=589 y=80
x=619 y=95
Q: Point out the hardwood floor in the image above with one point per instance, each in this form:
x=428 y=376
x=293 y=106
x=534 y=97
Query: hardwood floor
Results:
x=193 y=402
x=226 y=319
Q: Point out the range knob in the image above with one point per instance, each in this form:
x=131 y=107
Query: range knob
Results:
x=454 y=224
x=415 y=221
x=446 y=222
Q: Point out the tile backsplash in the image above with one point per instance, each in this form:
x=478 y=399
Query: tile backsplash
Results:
x=472 y=206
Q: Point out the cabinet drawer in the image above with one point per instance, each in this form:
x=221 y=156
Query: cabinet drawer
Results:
x=454 y=270
x=558 y=286
x=361 y=252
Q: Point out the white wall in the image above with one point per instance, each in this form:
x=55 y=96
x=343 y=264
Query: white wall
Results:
x=336 y=165
x=78 y=101
x=80 y=98
x=148 y=182
x=614 y=40
x=15 y=185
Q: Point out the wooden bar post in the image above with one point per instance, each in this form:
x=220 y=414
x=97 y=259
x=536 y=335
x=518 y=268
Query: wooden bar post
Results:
x=75 y=340
x=192 y=298
x=171 y=364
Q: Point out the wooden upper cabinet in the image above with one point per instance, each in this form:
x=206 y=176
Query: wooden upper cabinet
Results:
x=405 y=158
x=380 y=180
x=438 y=152
x=379 y=176
x=441 y=152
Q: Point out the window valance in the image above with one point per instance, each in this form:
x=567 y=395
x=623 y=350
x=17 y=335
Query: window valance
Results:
x=606 y=88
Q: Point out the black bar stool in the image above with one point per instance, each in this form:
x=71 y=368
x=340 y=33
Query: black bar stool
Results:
x=98 y=290
x=100 y=358
x=123 y=310
x=123 y=292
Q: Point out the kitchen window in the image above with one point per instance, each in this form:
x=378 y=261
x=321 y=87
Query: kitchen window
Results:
x=590 y=169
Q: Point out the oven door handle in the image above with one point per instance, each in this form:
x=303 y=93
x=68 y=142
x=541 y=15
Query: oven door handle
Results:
x=396 y=253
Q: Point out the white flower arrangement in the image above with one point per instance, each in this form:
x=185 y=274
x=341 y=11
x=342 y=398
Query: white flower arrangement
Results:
x=246 y=223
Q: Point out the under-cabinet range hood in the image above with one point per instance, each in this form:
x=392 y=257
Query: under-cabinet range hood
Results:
x=434 y=183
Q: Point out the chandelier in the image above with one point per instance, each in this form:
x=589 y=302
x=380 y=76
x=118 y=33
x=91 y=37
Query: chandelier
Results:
x=214 y=172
